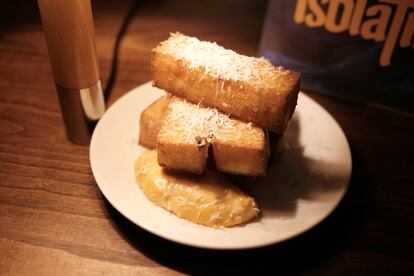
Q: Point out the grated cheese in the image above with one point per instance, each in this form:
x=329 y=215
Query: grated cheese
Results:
x=219 y=62
x=200 y=125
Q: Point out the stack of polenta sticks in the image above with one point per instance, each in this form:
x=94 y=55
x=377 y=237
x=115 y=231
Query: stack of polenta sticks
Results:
x=220 y=99
x=218 y=112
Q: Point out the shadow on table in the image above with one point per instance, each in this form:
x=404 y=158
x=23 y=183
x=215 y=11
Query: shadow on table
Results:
x=303 y=253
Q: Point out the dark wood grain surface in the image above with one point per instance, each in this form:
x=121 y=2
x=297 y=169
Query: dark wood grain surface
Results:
x=54 y=220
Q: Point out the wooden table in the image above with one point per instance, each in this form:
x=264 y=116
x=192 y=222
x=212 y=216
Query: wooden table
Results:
x=54 y=220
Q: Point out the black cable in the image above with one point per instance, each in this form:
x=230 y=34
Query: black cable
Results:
x=114 y=67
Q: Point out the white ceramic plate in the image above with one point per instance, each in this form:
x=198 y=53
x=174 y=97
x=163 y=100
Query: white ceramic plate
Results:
x=301 y=188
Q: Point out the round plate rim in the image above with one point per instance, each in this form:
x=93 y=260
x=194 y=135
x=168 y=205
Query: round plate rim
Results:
x=215 y=247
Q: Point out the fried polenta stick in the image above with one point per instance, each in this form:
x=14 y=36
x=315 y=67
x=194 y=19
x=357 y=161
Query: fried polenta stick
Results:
x=241 y=149
x=150 y=122
x=248 y=88
x=188 y=130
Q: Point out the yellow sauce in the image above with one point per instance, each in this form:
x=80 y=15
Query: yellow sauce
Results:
x=209 y=199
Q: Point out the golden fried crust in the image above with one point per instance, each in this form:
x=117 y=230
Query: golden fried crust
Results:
x=181 y=156
x=239 y=160
x=150 y=122
x=268 y=102
x=243 y=150
x=176 y=148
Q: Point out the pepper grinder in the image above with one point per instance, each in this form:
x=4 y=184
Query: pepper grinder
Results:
x=70 y=38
